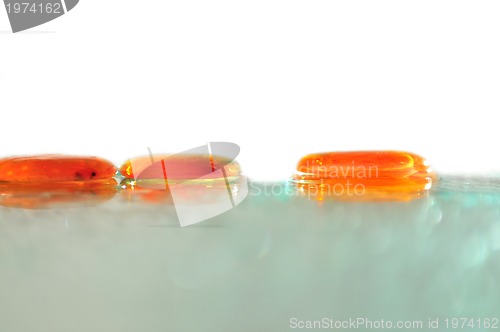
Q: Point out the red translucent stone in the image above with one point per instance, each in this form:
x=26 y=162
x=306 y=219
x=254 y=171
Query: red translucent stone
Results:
x=177 y=167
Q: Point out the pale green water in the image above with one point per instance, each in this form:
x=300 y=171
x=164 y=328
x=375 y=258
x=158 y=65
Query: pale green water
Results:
x=130 y=267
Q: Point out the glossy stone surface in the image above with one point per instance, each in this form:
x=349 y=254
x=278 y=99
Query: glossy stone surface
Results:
x=185 y=167
x=55 y=168
x=364 y=175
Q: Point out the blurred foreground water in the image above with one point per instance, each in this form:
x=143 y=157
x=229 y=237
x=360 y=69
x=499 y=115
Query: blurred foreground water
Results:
x=273 y=260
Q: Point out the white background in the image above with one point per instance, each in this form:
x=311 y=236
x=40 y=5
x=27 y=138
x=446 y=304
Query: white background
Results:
x=279 y=78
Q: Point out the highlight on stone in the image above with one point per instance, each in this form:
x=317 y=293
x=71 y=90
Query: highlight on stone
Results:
x=364 y=175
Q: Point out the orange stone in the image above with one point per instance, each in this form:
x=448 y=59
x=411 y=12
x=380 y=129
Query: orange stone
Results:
x=178 y=167
x=55 y=168
x=365 y=175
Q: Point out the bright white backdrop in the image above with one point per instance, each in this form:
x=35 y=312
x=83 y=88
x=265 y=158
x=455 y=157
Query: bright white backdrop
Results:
x=279 y=78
